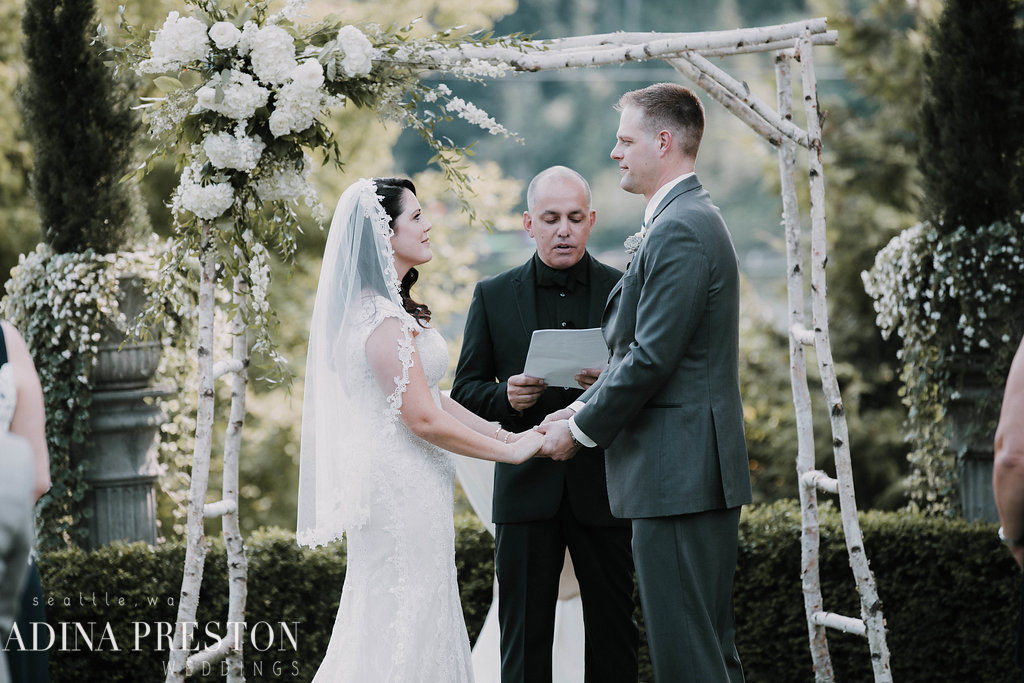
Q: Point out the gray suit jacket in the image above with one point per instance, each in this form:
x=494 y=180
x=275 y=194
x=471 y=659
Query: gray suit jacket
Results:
x=667 y=409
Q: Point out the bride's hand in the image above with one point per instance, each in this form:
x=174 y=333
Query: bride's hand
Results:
x=526 y=445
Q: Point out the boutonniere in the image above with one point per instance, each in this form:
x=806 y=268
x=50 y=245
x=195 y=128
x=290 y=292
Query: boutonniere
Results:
x=633 y=242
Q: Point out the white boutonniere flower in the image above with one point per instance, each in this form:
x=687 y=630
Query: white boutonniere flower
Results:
x=633 y=242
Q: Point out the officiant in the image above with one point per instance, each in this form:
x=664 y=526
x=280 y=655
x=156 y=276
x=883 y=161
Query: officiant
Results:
x=542 y=507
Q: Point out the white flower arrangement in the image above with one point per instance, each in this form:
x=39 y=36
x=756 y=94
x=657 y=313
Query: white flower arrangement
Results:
x=259 y=89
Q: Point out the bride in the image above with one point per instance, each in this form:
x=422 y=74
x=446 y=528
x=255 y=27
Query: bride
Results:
x=376 y=435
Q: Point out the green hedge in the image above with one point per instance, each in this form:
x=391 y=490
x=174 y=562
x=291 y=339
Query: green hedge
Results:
x=949 y=591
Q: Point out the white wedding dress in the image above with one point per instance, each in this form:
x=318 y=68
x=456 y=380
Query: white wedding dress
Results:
x=400 y=617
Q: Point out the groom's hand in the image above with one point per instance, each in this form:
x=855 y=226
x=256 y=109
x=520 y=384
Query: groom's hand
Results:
x=563 y=414
x=558 y=441
x=523 y=391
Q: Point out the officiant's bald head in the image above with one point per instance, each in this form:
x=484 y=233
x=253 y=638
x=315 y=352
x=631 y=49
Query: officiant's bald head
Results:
x=559 y=216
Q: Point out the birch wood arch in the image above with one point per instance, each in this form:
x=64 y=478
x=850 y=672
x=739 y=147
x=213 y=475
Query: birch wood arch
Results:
x=688 y=54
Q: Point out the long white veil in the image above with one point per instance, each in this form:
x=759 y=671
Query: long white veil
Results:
x=358 y=286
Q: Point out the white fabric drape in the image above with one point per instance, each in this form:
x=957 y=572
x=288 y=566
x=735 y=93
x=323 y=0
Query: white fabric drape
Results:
x=477 y=480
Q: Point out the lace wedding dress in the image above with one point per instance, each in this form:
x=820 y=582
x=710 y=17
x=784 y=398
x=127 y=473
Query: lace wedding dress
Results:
x=400 y=617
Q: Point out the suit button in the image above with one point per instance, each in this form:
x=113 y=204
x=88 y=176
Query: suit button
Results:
x=564 y=323
x=561 y=294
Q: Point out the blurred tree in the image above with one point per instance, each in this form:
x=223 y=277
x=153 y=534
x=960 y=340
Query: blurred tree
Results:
x=17 y=214
x=79 y=118
x=972 y=115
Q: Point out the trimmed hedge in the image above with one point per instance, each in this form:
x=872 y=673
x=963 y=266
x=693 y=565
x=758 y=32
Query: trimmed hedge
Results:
x=949 y=590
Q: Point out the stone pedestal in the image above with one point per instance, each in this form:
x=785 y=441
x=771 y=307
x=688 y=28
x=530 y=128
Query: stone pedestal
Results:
x=971 y=438
x=123 y=467
x=122 y=448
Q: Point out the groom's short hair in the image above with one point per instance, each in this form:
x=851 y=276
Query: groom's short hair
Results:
x=671 y=107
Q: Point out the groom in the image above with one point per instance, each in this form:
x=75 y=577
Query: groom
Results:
x=667 y=409
x=542 y=507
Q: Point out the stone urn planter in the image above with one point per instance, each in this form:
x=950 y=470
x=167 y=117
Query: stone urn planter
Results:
x=126 y=418
x=972 y=431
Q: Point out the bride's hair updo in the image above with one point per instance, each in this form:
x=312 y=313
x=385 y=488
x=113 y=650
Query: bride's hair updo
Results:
x=390 y=191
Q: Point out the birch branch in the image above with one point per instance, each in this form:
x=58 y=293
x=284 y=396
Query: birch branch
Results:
x=728 y=100
x=195 y=548
x=743 y=93
x=211 y=655
x=700 y=40
x=619 y=47
x=871 y=606
x=810 y=579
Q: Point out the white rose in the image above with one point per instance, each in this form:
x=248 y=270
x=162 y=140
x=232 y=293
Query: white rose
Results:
x=225 y=35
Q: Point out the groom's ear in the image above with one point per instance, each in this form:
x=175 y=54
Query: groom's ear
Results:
x=528 y=223
x=664 y=142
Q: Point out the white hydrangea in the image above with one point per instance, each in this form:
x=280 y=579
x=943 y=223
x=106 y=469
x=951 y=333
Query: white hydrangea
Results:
x=239 y=151
x=286 y=183
x=358 y=51
x=475 y=115
x=242 y=96
x=178 y=42
x=205 y=201
x=292 y=10
x=248 y=37
x=225 y=35
x=273 y=55
x=299 y=101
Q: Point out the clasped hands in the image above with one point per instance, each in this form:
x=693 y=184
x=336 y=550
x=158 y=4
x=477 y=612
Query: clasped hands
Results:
x=523 y=392
x=558 y=442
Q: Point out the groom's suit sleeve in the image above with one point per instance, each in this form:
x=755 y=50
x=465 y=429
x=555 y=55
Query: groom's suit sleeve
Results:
x=674 y=270
x=475 y=385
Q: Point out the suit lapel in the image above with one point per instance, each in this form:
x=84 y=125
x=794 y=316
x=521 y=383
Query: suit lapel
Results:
x=595 y=307
x=524 y=286
x=688 y=185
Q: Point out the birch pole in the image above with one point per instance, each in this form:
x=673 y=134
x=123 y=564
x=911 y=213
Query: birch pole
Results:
x=195 y=543
x=238 y=566
x=871 y=606
x=810 y=538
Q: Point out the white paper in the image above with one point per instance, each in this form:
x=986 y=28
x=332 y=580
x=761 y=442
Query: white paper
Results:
x=557 y=356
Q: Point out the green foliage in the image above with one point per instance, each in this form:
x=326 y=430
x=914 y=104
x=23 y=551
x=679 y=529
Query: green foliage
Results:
x=82 y=129
x=953 y=299
x=973 y=115
x=63 y=305
x=949 y=592
x=770 y=419
x=21 y=225
x=952 y=287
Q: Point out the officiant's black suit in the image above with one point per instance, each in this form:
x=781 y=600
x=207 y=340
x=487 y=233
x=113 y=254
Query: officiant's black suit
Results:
x=542 y=506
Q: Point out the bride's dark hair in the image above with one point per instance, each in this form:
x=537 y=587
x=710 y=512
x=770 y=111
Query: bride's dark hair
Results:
x=390 y=191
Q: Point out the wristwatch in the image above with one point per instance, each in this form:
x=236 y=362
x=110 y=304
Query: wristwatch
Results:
x=1010 y=542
